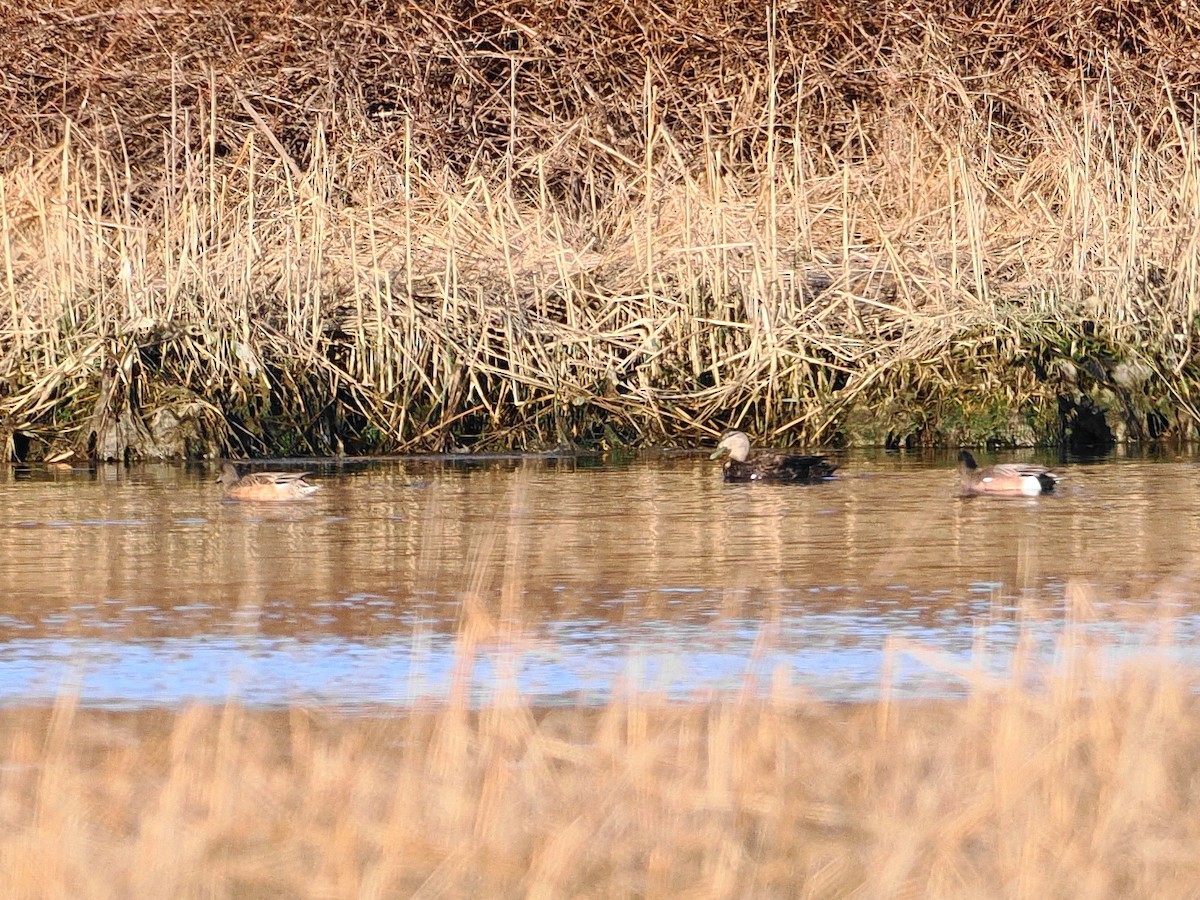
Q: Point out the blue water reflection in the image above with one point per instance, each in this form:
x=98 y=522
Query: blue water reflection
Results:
x=139 y=587
x=574 y=663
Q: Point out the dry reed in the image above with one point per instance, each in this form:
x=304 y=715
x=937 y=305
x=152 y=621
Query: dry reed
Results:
x=1085 y=789
x=336 y=226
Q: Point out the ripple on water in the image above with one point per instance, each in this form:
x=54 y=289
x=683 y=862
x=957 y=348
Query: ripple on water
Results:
x=654 y=576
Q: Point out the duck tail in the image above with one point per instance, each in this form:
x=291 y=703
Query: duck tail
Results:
x=1047 y=480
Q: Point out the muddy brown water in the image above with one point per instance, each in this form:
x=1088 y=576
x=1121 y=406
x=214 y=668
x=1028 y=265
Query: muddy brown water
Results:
x=139 y=587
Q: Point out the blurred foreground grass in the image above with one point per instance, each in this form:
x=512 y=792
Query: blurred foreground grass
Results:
x=1088 y=786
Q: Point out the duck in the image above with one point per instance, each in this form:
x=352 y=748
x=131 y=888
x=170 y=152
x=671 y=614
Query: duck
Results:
x=1013 y=479
x=780 y=467
x=264 y=486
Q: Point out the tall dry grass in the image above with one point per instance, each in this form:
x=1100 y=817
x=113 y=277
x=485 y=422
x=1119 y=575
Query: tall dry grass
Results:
x=243 y=228
x=1086 y=788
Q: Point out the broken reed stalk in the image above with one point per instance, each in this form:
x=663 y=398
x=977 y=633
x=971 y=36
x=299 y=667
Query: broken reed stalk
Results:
x=435 y=230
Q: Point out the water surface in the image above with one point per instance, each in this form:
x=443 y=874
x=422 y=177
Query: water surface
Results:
x=574 y=579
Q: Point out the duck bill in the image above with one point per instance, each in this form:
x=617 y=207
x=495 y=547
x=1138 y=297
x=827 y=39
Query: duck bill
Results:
x=718 y=453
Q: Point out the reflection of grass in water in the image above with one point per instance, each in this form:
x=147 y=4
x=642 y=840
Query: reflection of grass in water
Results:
x=1087 y=786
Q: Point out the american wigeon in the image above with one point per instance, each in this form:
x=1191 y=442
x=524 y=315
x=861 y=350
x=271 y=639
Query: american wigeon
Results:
x=1014 y=479
x=264 y=486
x=767 y=466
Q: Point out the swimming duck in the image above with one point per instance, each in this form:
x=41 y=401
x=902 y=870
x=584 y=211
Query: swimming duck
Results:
x=768 y=466
x=264 y=486
x=1014 y=479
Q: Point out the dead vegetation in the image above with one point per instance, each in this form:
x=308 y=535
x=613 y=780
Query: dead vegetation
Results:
x=1086 y=788
x=236 y=227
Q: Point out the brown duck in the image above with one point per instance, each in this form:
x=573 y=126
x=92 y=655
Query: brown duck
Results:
x=1013 y=479
x=264 y=486
x=766 y=466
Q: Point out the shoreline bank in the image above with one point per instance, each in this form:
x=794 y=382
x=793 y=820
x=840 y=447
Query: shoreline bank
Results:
x=240 y=233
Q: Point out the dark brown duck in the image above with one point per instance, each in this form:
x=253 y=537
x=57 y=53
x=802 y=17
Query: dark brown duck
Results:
x=768 y=466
